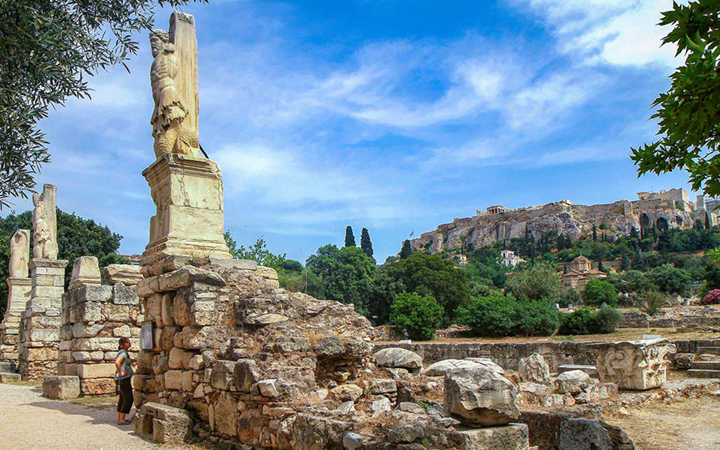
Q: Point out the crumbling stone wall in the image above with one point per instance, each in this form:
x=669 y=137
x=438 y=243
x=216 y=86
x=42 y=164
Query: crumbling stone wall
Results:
x=40 y=325
x=94 y=317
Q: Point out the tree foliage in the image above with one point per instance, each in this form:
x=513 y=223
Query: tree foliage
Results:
x=48 y=48
x=349 y=237
x=419 y=315
x=688 y=113
x=540 y=282
x=365 y=243
x=597 y=292
x=499 y=316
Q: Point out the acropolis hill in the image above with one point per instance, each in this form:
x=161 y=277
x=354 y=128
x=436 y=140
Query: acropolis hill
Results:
x=664 y=209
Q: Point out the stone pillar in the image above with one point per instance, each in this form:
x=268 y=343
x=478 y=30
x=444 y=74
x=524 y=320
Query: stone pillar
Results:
x=40 y=325
x=18 y=294
x=188 y=194
x=94 y=316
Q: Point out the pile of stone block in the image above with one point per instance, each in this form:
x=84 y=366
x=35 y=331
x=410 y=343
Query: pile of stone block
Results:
x=94 y=317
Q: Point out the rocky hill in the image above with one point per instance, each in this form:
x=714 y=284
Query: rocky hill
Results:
x=566 y=218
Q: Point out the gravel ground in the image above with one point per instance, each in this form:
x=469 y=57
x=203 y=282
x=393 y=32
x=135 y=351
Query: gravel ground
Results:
x=30 y=421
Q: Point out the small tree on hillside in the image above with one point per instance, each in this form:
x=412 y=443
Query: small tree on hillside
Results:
x=349 y=237
x=598 y=291
x=419 y=316
x=365 y=243
x=406 y=249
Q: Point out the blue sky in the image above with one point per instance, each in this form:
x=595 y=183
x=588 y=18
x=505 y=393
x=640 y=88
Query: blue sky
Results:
x=395 y=115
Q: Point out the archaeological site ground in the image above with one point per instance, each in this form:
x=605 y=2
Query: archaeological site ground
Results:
x=560 y=326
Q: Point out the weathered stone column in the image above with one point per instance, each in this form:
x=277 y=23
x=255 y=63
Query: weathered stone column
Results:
x=18 y=294
x=40 y=326
x=636 y=365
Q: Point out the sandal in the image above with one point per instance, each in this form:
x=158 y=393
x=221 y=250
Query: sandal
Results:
x=125 y=423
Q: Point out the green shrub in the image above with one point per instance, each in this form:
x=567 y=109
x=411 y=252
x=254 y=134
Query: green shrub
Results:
x=539 y=318
x=499 y=316
x=670 y=279
x=419 y=316
x=598 y=291
x=541 y=282
x=650 y=302
x=489 y=316
x=587 y=321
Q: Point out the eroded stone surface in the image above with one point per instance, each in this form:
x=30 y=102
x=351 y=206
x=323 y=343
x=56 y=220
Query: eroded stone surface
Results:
x=481 y=398
x=638 y=365
x=534 y=369
x=61 y=387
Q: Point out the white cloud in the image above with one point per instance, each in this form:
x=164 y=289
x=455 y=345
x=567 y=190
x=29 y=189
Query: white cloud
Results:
x=616 y=32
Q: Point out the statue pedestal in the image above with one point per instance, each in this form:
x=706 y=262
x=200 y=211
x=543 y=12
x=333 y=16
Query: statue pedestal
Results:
x=18 y=295
x=188 y=194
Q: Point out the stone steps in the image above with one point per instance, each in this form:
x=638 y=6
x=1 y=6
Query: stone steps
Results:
x=708 y=350
x=705 y=365
x=9 y=377
x=703 y=373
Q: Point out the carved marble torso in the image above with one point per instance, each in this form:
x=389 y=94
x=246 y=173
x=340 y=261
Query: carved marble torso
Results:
x=19 y=254
x=45 y=224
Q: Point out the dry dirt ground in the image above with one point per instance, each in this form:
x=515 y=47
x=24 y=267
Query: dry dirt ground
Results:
x=691 y=424
x=30 y=421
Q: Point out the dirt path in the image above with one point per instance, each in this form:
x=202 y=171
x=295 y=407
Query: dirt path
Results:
x=682 y=425
x=30 y=421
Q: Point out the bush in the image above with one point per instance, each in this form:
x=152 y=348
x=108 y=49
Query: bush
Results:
x=597 y=292
x=670 y=279
x=712 y=298
x=489 y=316
x=419 y=316
x=587 y=321
x=499 y=316
x=650 y=302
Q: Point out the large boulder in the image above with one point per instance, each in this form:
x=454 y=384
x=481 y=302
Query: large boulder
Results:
x=534 y=369
x=481 y=397
x=591 y=434
x=398 y=358
x=572 y=382
x=461 y=367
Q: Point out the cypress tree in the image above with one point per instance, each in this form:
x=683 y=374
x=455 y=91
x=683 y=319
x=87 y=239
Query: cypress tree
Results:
x=365 y=243
x=594 y=232
x=349 y=237
x=406 y=249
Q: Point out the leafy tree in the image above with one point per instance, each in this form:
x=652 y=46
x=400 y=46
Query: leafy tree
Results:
x=349 y=237
x=406 y=249
x=539 y=282
x=258 y=252
x=365 y=243
x=76 y=237
x=47 y=50
x=432 y=275
x=597 y=292
x=670 y=279
x=419 y=316
x=346 y=273
x=385 y=288
x=688 y=113
x=587 y=321
x=569 y=297
x=499 y=316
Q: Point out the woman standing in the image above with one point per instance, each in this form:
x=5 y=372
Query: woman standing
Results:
x=123 y=375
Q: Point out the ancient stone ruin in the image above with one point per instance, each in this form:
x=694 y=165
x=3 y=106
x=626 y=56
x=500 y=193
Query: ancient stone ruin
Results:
x=39 y=330
x=19 y=285
x=94 y=316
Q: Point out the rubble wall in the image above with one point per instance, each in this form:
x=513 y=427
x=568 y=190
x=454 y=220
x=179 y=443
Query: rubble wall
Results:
x=509 y=354
x=94 y=318
x=243 y=355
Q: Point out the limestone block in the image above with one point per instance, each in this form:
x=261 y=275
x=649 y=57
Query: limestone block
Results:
x=177 y=279
x=246 y=374
x=97 y=386
x=510 y=437
x=346 y=392
x=81 y=356
x=80 y=330
x=96 y=370
x=163 y=423
x=383 y=387
x=460 y=367
x=9 y=377
x=40 y=354
x=225 y=414
x=85 y=271
x=203 y=312
x=268 y=388
x=95 y=344
x=638 y=365
x=406 y=433
x=534 y=369
x=122 y=331
x=44 y=334
x=194 y=338
x=573 y=382
x=166 y=310
x=179 y=359
x=398 y=358
x=153 y=308
x=380 y=406
x=61 y=387
x=485 y=398
x=124 y=295
x=127 y=274
x=173 y=380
